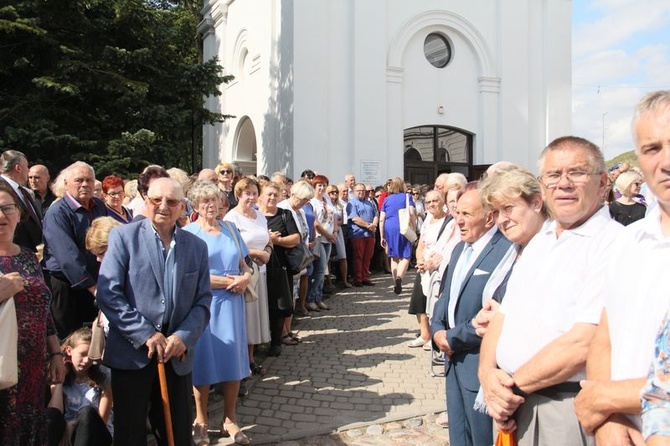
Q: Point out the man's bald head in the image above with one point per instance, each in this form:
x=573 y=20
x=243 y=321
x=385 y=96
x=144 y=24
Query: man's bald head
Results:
x=38 y=179
x=208 y=175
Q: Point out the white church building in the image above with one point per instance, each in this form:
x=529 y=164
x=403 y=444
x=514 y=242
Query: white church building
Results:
x=384 y=88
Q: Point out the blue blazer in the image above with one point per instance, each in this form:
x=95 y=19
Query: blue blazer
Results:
x=462 y=337
x=131 y=295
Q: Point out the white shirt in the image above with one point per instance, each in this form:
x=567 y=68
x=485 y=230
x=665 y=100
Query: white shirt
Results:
x=636 y=302
x=456 y=282
x=557 y=283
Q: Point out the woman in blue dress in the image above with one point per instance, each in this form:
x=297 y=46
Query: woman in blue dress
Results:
x=397 y=247
x=221 y=354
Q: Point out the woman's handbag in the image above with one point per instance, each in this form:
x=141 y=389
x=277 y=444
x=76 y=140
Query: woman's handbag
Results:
x=9 y=339
x=405 y=222
x=279 y=288
x=249 y=293
x=97 y=348
x=298 y=257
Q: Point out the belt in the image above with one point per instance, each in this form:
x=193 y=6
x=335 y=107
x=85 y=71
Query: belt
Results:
x=555 y=392
x=560 y=391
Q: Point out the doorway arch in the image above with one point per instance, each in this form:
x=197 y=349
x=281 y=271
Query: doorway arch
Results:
x=245 y=149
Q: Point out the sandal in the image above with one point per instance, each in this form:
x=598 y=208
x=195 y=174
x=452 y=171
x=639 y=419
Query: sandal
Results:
x=295 y=337
x=239 y=437
x=200 y=436
x=288 y=340
x=257 y=369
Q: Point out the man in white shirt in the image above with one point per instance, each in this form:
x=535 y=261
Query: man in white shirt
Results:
x=534 y=352
x=623 y=347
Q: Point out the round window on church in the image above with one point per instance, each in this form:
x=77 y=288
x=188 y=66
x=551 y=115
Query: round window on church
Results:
x=437 y=50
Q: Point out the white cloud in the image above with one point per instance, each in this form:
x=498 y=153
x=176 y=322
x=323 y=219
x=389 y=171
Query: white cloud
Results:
x=616 y=60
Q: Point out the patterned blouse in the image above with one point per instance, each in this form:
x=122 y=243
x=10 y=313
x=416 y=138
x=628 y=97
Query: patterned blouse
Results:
x=656 y=393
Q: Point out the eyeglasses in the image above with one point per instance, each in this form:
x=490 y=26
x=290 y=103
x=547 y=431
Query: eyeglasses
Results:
x=225 y=171
x=9 y=209
x=333 y=192
x=114 y=194
x=171 y=202
x=551 y=179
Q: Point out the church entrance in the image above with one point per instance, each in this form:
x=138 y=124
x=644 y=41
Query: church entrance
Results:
x=432 y=150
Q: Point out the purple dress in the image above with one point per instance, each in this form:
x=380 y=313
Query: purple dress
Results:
x=398 y=245
x=22 y=407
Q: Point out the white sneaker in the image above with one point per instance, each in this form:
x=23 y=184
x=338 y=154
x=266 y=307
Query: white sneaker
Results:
x=428 y=346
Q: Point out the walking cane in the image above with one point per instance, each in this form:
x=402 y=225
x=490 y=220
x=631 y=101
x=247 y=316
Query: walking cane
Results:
x=166 y=403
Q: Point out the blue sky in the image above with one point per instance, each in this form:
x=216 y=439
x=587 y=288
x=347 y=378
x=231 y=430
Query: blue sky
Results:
x=620 y=52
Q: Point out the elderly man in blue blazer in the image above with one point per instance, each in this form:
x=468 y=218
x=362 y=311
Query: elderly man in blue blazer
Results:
x=154 y=288
x=471 y=266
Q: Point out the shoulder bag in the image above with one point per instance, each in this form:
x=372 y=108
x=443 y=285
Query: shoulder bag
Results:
x=404 y=221
x=249 y=293
x=298 y=257
x=97 y=348
x=9 y=339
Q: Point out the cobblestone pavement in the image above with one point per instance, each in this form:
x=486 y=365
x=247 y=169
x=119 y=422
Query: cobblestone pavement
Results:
x=352 y=380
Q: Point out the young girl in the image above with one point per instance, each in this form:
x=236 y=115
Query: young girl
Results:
x=80 y=409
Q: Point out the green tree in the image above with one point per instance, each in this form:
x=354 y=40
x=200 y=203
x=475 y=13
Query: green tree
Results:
x=117 y=83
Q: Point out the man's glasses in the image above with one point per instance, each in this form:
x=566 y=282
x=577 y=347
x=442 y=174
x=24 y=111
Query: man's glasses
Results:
x=575 y=177
x=171 y=202
x=9 y=209
x=225 y=171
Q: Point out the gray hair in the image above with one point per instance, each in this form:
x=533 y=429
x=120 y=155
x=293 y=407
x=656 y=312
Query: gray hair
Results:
x=202 y=189
x=9 y=159
x=77 y=164
x=653 y=102
x=575 y=142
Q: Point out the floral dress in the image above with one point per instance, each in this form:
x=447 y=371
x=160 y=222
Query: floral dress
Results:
x=22 y=407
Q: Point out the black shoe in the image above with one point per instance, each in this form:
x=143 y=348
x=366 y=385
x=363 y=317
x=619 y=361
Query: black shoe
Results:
x=367 y=283
x=358 y=284
x=275 y=350
x=398 y=286
x=243 y=391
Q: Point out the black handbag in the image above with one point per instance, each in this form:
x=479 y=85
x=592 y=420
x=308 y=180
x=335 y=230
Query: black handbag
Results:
x=280 y=290
x=298 y=257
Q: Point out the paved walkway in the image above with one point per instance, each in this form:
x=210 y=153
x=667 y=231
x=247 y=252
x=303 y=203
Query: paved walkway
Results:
x=353 y=371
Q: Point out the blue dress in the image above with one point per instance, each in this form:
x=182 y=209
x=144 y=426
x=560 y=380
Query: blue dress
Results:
x=221 y=354
x=398 y=245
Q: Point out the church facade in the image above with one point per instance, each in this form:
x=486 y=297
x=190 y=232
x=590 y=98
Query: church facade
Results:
x=384 y=88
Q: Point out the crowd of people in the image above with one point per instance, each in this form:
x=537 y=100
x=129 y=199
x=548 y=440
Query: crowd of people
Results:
x=518 y=285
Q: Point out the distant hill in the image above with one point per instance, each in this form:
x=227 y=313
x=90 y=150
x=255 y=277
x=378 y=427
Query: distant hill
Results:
x=626 y=157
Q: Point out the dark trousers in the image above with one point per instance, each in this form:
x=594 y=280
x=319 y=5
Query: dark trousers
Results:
x=89 y=429
x=138 y=391
x=71 y=307
x=363 y=248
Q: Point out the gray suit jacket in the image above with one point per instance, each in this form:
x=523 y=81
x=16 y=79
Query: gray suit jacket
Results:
x=131 y=295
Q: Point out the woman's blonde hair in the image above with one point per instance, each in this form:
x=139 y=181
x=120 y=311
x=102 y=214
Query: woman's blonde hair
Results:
x=397 y=185
x=516 y=182
x=625 y=180
x=98 y=234
x=302 y=190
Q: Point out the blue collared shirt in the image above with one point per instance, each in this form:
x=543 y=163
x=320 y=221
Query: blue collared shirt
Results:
x=169 y=270
x=65 y=253
x=365 y=210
